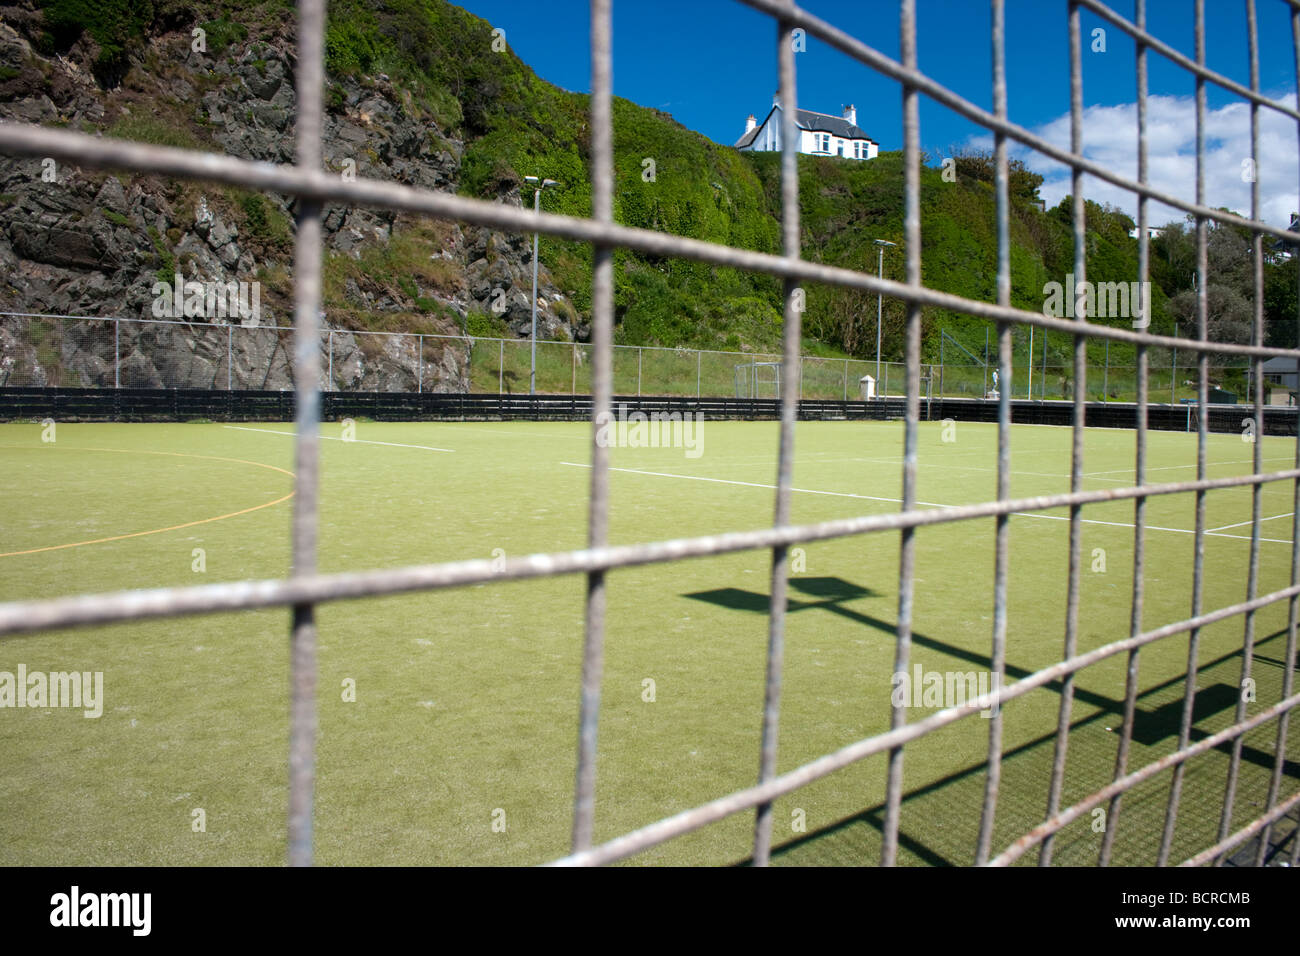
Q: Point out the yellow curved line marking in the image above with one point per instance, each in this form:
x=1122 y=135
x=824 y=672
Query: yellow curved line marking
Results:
x=175 y=527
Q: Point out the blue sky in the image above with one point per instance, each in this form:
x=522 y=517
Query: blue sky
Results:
x=712 y=62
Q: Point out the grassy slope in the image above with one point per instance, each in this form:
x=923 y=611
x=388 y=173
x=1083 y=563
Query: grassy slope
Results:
x=467 y=700
x=515 y=124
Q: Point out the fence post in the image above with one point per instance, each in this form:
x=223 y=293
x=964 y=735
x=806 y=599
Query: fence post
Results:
x=230 y=358
x=329 y=344
x=1105 y=378
x=1173 y=372
x=117 y=355
x=501 y=366
x=419 y=382
x=699 y=365
x=1042 y=386
x=885 y=393
x=573 y=388
x=986 y=363
x=638 y=371
x=846 y=380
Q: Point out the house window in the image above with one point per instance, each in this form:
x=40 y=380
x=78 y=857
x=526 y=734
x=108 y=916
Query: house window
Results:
x=823 y=141
x=840 y=146
x=860 y=150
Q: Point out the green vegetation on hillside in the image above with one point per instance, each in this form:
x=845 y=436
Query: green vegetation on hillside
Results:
x=457 y=71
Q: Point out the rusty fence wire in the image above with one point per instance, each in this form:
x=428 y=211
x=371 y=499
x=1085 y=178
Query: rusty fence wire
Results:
x=305 y=587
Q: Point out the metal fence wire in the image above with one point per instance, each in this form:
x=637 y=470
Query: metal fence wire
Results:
x=305 y=587
x=44 y=350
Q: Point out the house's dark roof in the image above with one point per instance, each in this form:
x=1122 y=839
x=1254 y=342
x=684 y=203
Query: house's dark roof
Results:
x=825 y=123
x=1287 y=244
x=1280 y=363
x=815 y=122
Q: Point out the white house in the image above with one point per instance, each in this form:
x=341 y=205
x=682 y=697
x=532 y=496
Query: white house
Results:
x=1285 y=249
x=1153 y=232
x=820 y=134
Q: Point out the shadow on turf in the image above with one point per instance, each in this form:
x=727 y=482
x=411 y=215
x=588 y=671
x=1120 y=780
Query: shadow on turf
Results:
x=829 y=590
x=1150 y=727
x=836 y=590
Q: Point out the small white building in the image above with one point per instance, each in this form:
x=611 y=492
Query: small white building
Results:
x=1280 y=380
x=820 y=134
x=1153 y=232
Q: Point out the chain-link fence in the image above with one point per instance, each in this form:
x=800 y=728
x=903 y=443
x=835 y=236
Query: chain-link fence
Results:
x=71 y=352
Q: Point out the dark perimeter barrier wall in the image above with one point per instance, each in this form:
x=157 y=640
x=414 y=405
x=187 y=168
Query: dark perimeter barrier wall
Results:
x=180 y=405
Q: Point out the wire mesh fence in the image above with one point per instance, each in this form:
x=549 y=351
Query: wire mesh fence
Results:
x=64 y=351
x=606 y=370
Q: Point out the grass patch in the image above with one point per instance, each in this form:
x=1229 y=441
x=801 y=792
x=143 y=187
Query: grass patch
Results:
x=156 y=132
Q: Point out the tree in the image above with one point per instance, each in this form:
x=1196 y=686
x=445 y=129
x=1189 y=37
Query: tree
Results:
x=979 y=165
x=1228 y=316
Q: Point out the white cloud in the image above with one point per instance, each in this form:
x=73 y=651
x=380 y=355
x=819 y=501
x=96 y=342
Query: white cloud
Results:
x=1110 y=138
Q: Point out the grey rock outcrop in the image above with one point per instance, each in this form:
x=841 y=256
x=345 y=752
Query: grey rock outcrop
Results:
x=86 y=243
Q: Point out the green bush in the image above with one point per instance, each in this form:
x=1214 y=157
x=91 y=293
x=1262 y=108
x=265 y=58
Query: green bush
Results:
x=348 y=50
x=264 y=223
x=117 y=26
x=486 y=325
x=221 y=34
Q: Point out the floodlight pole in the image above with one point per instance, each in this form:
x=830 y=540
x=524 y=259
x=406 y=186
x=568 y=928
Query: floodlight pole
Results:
x=538 y=185
x=1030 y=394
x=1173 y=372
x=880 y=272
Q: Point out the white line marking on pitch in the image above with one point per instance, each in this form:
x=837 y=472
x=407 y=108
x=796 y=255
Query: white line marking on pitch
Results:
x=1240 y=523
x=1115 y=471
x=993 y=471
x=755 y=484
x=350 y=441
x=930 y=504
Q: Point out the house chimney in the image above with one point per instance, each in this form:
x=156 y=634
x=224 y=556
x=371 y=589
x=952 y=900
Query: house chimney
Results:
x=851 y=114
x=776 y=98
x=750 y=123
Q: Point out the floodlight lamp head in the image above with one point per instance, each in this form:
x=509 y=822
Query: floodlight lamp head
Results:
x=530 y=179
x=884 y=242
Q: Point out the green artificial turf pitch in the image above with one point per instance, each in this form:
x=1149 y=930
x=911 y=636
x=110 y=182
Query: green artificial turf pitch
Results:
x=459 y=747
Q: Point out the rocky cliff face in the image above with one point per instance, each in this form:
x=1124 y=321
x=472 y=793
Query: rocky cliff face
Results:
x=86 y=243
